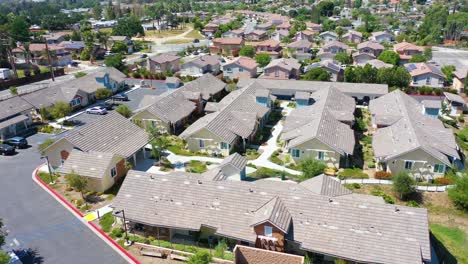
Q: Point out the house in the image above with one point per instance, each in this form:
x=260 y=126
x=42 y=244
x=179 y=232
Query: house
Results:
x=425 y=74
x=375 y=63
x=316 y=28
x=382 y=37
x=201 y=65
x=256 y=35
x=231 y=168
x=74 y=47
x=406 y=51
x=455 y=103
x=459 y=77
x=15 y=117
x=55 y=38
x=353 y=36
x=239 y=68
x=361 y=58
x=371 y=47
x=269 y=46
x=332 y=67
x=276 y=216
x=111 y=133
x=279 y=35
x=431 y=107
x=300 y=49
x=282 y=69
x=251 y=255
x=305 y=34
x=163 y=63
x=284 y=26
x=408 y=140
x=319 y=128
x=229 y=46
x=171 y=110
x=265 y=26
x=330 y=49
x=125 y=40
x=210 y=29
x=38 y=54
x=235 y=33
x=78 y=92
x=328 y=36
x=235 y=122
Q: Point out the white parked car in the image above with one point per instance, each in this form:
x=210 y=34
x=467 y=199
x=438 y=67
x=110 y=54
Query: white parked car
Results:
x=97 y=110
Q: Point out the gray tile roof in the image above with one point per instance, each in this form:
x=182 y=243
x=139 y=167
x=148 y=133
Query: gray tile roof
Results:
x=325 y=185
x=237 y=117
x=322 y=121
x=352 y=229
x=111 y=133
x=370 y=44
x=87 y=164
x=454 y=98
x=163 y=58
x=172 y=107
x=14 y=120
x=408 y=129
x=207 y=85
x=204 y=60
x=13 y=106
x=377 y=64
x=287 y=64
x=275 y=212
x=303 y=43
x=289 y=87
x=235 y=160
x=47 y=97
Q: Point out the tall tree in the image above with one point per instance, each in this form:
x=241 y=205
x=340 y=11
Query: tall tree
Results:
x=317 y=74
x=403 y=184
x=19 y=29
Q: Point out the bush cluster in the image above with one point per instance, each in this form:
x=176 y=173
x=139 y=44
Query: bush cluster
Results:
x=382 y=175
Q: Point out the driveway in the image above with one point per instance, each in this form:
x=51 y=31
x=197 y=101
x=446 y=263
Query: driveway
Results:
x=36 y=221
x=446 y=56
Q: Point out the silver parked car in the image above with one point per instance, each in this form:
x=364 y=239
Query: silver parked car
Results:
x=97 y=110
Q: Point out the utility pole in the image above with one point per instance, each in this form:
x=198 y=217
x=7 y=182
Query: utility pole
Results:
x=49 y=60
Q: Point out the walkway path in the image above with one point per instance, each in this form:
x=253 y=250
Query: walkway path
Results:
x=425 y=188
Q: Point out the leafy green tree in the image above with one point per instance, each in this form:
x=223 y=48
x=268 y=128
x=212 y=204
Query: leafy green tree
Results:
x=119 y=47
x=434 y=22
x=115 y=61
x=247 y=51
x=4 y=257
x=124 y=110
x=85 y=55
x=263 y=59
x=78 y=183
x=19 y=29
x=459 y=193
x=311 y=168
x=128 y=26
x=456 y=23
x=60 y=110
x=394 y=77
x=343 y=57
x=103 y=93
x=317 y=74
x=403 y=184
x=418 y=58
x=201 y=257
x=448 y=70
x=389 y=56
x=13 y=90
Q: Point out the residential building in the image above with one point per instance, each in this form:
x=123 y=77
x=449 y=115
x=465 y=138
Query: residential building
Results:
x=353 y=36
x=371 y=47
x=319 y=128
x=210 y=29
x=251 y=255
x=284 y=26
x=111 y=133
x=329 y=50
x=406 y=51
x=328 y=36
x=234 y=121
x=305 y=34
x=264 y=26
x=382 y=37
x=55 y=38
x=459 y=79
x=455 y=103
x=15 y=117
x=269 y=46
x=431 y=107
x=300 y=49
x=375 y=63
x=279 y=35
x=201 y=65
x=256 y=35
x=332 y=67
x=125 y=40
x=228 y=46
x=239 y=68
x=74 y=47
x=408 y=140
x=282 y=69
x=277 y=216
x=235 y=33
x=171 y=110
x=425 y=74
x=163 y=63
x=316 y=28
x=38 y=54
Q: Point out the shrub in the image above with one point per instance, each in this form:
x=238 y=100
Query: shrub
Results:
x=200 y=257
x=354 y=173
x=352 y=186
x=136 y=75
x=387 y=198
x=459 y=193
x=80 y=74
x=412 y=203
x=311 y=168
x=106 y=222
x=444 y=181
x=45 y=129
x=103 y=93
x=116 y=232
x=403 y=184
x=382 y=175
x=220 y=249
x=461 y=118
x=124 y=110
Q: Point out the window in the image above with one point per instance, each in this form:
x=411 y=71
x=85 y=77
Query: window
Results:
x=439 y=168
x=268 y=231
x=62 y=161
x=224 y=145
x=229 y=69
x=321 y=155
x=408 y=165
x=276 y=72
x=241 y=69
x=296 y=153
x=201 y=143
x=441 y=81
x=113 y=172
x=76 y=101
x=428 y=80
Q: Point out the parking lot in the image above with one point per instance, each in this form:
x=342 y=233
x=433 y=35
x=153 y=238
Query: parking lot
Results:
x=446 y=56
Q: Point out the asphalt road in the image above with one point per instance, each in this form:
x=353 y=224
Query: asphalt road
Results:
x=37 y=223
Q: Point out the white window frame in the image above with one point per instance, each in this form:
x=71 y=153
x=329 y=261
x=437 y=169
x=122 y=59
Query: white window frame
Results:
x=321 y=153
x=75 y=101
x=428 y=80
x=222 y=144
x=201 y=143
x=409 y=162
x=268 y=231
x=298 y=153
x=113 y=172
x=437 y=168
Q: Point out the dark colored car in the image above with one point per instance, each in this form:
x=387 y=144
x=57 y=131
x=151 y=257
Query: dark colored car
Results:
x=120 y=97
x=18 y=142
x=196 y=41
x=7 y=149
x=144 y=56
x=108 y=105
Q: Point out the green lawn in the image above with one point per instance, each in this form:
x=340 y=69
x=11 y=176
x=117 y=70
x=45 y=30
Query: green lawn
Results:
x=194 y=34
x=195 y=166
x=454 y=239
x=178 y=41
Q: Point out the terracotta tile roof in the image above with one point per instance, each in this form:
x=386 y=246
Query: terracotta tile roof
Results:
x=228 y=41
x=245 y=62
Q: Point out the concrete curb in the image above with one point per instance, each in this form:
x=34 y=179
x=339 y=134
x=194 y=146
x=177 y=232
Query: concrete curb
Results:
x=75 y=212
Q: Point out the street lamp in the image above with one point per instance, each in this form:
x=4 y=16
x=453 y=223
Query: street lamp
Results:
x=127 y=242
x=50 y=170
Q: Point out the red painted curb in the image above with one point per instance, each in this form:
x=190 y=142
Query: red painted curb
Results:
x=69 y=205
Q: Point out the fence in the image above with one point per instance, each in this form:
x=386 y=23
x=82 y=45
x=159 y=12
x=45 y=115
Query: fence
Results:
x=33 y=78
x=424 y=188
